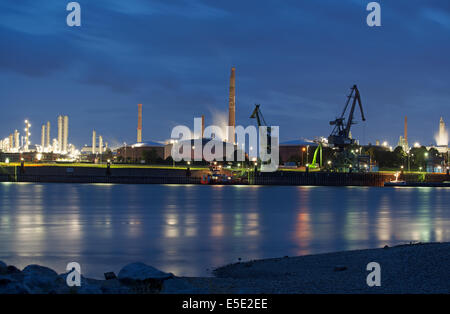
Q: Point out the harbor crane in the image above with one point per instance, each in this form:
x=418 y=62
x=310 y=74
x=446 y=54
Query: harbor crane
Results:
x=257 y=114
x=340 y=136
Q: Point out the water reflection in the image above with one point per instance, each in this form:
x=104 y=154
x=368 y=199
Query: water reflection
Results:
x=189 y=229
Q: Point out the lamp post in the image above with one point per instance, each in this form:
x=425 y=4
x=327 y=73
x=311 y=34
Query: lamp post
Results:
x=303 y=150
x=307 y=155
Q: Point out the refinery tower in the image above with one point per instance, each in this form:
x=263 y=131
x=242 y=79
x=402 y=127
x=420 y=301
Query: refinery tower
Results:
x=232 y=107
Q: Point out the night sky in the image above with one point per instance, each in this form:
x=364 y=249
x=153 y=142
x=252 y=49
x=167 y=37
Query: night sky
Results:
x=298 y=59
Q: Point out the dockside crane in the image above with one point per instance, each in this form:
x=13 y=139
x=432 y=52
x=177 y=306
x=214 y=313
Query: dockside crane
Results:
x=260 y=121
x=257 y=114
x=340 y=136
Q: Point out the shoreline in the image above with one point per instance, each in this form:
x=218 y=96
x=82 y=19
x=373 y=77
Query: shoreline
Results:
x=167 y=175
x=407 y=268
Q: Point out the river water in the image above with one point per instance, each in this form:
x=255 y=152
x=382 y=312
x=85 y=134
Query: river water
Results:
x=190 y=229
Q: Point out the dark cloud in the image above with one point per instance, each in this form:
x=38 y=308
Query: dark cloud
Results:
x=297 y=58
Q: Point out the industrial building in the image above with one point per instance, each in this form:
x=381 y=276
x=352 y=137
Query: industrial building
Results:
x=136 y=153
x=296 y=151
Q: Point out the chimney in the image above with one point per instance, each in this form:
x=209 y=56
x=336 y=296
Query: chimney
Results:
x=139 y=128
x=48 y=134
x=232 y=106
x=203 y=126
x=16 y=140
x=11 y=142
x=93 y=142
x=100 y=144
x=60 y=133
x=43 y=137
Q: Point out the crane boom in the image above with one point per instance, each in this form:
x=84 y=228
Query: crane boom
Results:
x=340 y=136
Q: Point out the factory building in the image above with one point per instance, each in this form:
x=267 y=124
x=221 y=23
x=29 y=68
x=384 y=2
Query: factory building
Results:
x=137 y=152
x=194 y=145
x=296 y=151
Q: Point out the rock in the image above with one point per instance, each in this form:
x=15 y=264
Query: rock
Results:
x=114 y=286
x=4 y=280
x=386 y=247
x=88 y=286
x=178 y=286
x=142 y=272
x=3 y=268
x=110 y=275
x=89 y=289
x=13 y=287
x=39 y=270
x=12 y=270
x=40 y=279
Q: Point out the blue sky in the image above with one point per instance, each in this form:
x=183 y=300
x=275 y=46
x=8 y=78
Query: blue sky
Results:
x=298 y=59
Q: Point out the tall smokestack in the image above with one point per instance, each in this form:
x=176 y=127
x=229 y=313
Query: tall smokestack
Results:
x=93 y=141
x=16 y=140
x=100 y=144
x=232 y=107
x=43 y=137
x=60 y=133
x=65 y=133
x=139 y=128
x=48 y=134
x=10 y=142
x=203 y=126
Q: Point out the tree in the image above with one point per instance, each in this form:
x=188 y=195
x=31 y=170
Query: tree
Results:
x=418 y=159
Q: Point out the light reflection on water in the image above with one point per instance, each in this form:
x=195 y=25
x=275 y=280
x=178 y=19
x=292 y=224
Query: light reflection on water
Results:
x=190 y=229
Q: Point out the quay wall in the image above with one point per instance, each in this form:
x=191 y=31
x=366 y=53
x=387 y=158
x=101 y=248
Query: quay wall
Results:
x=141 y=175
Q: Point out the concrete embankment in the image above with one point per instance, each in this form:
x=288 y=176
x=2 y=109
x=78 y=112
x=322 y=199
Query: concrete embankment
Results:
x=66 y=174
x=167 y=175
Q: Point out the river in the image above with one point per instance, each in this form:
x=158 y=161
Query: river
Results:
x=190 y=229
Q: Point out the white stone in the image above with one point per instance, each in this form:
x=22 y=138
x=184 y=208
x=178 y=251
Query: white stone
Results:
x=141 y=272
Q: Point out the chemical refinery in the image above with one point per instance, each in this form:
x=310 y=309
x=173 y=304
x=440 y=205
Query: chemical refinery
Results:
x=339 y=152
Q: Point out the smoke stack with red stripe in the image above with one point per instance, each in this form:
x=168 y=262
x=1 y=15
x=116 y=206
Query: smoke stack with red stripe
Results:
x=139 y=128
x=232 y=107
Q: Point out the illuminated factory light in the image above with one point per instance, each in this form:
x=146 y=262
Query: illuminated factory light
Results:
x=417 y=144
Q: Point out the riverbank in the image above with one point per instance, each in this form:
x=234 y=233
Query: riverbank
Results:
x=130 y=174
x=412 y=268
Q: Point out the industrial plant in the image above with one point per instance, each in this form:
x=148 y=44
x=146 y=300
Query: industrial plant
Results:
x=339 y=152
